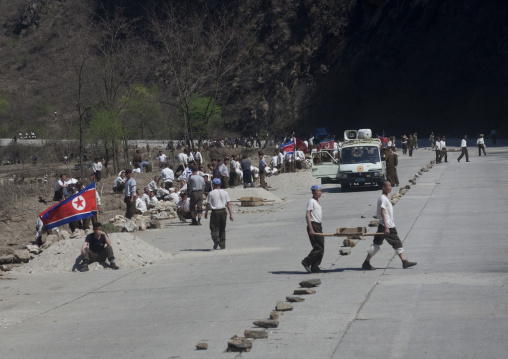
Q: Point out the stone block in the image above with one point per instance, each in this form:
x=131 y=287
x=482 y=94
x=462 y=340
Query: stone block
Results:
x=345 y=251
x=304 y=291
x=202 y=346
x=310 y=283
x=274 y=315
x=267 y=323
x=129 y=226
x=294 y=299
x=21 y=256
x=7 y=259
x=348 y=243
x=283 y=307
x=256 y=334
x=155 y=224
x=238 y=344
x=374 y=223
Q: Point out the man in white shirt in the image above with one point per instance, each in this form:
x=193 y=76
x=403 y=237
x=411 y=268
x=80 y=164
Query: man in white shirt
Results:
x=438 y=149
x=152 y=186
x=481 y=145
x=314 y=219
x=463 y=148
x=119 y=183
x=198 y=158
x=183 y=210
x=162 y=192
x=444 y=153
x=280 y=161
x=140 y=205
x=167 y=176
x=59 y=188
x=182 y=162
x=162 y=159
x=224 y=173
x=217 y=201
x=173 y=196
x=146 y=196
x=387 y=227
x=97 y=168
x=153 y=200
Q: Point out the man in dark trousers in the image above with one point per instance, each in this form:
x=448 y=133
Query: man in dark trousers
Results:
x=387 y=227
x=97 y=248
x=314 y=219
x=463 y=149
x=217 y=201
x=130 y=195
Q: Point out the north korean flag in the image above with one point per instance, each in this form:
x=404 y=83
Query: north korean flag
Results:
x=326 y=145
x=289 y=147
x=79 y=206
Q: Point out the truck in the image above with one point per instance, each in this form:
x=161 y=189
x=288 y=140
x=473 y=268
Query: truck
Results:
x=360 y=161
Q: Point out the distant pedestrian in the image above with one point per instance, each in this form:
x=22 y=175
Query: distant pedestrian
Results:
x=438 y=149
x=480 y=142
x=431 y=140
x=444 y=151
x=463 y=148
x=386 y=226
x=195 y=187
x=262 y=172
x=217 y=201
x=247 y=174
x=59 y=188
x=493 y=136
x=97 y=168
x=314 y=219
x=130 y=195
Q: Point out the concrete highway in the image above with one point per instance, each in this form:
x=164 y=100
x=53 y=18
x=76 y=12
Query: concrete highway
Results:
x=451 y=305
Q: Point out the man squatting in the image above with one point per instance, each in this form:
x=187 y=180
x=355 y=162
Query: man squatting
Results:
x=386 y=226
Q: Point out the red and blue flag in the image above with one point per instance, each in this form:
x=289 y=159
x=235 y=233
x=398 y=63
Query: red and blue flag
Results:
x=289 y=147
x=326 y=145
x=79 y=206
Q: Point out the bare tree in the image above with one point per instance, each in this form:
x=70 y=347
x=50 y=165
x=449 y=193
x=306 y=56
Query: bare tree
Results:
x=201 y=51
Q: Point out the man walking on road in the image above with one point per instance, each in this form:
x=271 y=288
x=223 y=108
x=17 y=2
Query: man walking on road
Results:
x=463 y=148
x=314 y=219
x=386 y=226
x=217 y=201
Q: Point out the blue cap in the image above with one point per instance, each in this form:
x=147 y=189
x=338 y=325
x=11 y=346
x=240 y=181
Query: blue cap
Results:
x=315 y=187
x=216 y=181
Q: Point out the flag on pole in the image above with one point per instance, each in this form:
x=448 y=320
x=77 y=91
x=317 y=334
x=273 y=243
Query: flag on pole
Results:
x=326 y=145
x=300 y=144
x=289 y=147
x=79 y=206
x=384 y=140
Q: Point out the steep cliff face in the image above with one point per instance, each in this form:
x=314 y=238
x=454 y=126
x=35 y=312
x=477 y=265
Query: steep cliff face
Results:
x=419 y=65
x=399 y=66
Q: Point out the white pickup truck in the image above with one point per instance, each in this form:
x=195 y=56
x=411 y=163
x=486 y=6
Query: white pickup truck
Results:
x=359 y=163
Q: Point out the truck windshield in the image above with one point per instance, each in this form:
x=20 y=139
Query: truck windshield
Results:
x=359 y=154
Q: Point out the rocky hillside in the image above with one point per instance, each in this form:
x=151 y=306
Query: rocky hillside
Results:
x=415 y=65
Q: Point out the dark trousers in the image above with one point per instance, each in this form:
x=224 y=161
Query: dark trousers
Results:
x=247 y=178
x=410 y=150
x=438 y=156
x=119 y=188
x=464 y=153
x=224 y=182
x=131 y=208
x=392 y=238
x=218 y=226
x=444 y=154
x=390 y=174
x=318 y=246
x=480 y=149
x=262 y=176
x=98 y=176
x=106 y=253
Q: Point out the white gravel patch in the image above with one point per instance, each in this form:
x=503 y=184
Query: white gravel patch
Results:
x=302 y=179
x=65 y=255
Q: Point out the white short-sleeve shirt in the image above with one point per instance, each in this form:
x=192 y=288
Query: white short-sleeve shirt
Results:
x=384 y=202
x=316 y=214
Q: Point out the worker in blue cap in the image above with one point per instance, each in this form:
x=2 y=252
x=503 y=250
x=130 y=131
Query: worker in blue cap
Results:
x=217 y=201
x=314 y=219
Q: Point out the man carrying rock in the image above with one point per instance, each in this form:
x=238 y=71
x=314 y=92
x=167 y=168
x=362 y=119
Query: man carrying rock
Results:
x=217 y=201
x=314 y=219
x=97 y=248
x=386 y=226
